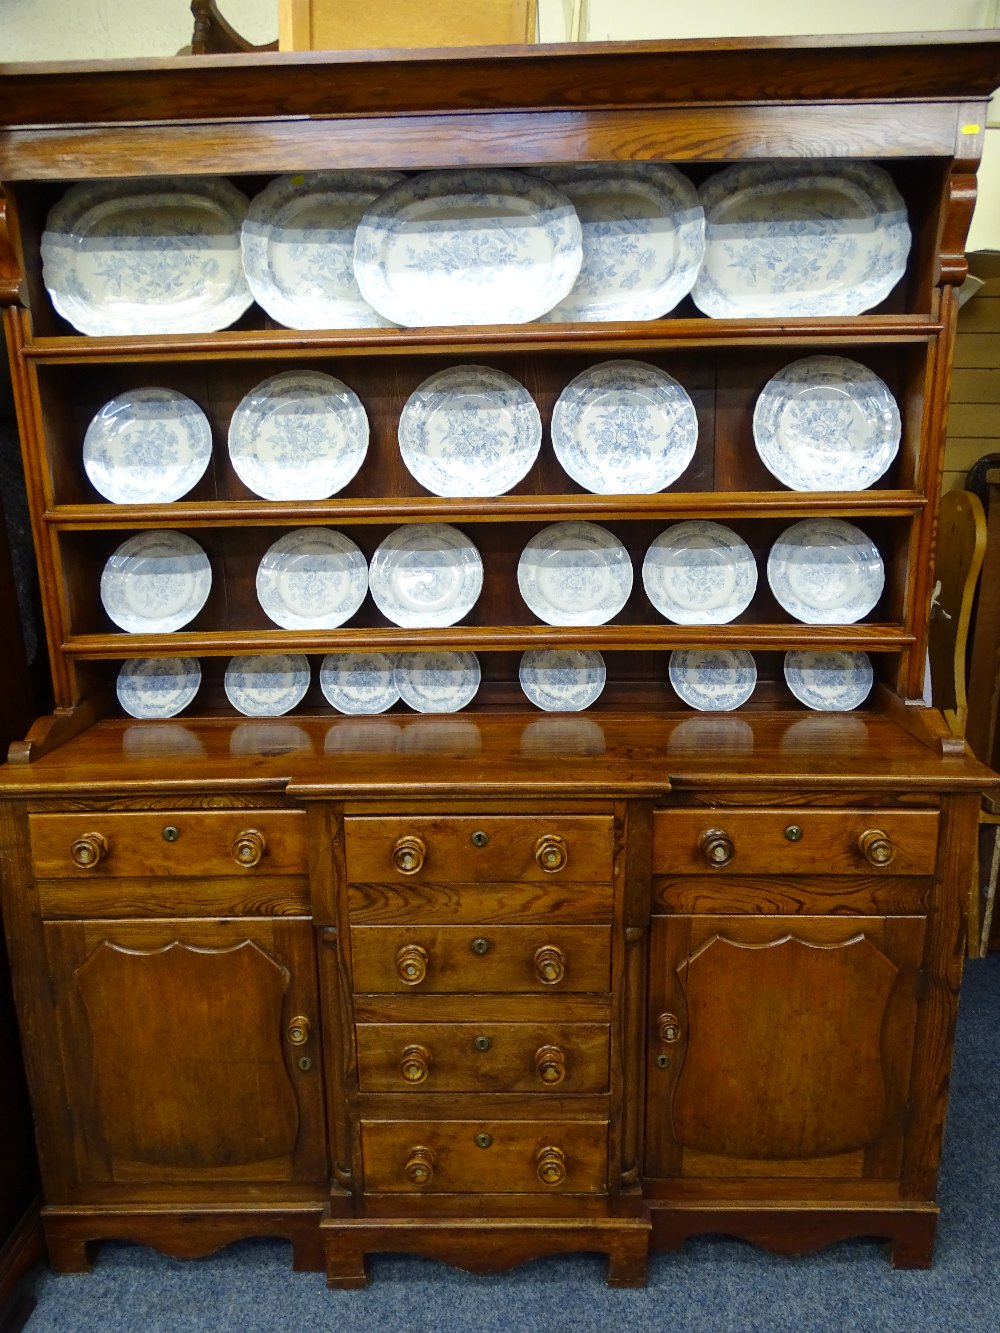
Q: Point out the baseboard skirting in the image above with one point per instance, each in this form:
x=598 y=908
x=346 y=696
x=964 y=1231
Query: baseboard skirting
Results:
x=20 y=1252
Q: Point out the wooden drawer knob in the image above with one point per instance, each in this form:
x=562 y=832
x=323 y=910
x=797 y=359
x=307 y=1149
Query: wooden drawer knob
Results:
x=550 y=1065
x=717 y=846
x=415 y=1064
x=248 y=848
x=409 y=853
x=876 y=847
x=551 y=852
x=411 y=964
x=550 y=964
x=89 y=850
x=550 y=1165
x=419 y=1168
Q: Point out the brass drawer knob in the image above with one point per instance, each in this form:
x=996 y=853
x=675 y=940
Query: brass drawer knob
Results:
x=550 y=1065
x=409 y=853
x=415 y=1064
x=89 y=850
x=298 y=1030
x=551 y=852
x=248 y=848
x=411 y=964
x=550 y=1165
x=876 y=847
x=550 y=964
x=717 y=846
x=668 y=1028
x=419 y=1168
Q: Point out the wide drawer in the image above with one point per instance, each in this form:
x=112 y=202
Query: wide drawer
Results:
x=171 y=842
x=490 y=959
x=485 y=1156
x=478 y=848
x=795 y=842
x=483 y=1057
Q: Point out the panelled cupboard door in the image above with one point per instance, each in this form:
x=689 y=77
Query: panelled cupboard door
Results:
x=182 y=1042
x=780 y=1046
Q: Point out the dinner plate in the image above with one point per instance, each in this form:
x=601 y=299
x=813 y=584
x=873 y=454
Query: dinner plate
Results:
x=147 y=446
x=467 y=247
x=829 y=680
x=469 y=430
x=699 y=573
x=437 y=682
x=157 y=686
x=149 y=255
x=298 y=248
x=155 y=582
x=643 y=230
x=826 y=423
x=562 y=680
x=312 y=578
x=359 y=683
x=426 y=575
x=825 y=571
x=267 y=684
x=624 y=428
x=800 y=238
x=299 y=435
x=575 y=573
x=713 y=680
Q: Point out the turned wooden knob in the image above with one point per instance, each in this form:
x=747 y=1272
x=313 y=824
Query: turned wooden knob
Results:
x=551 y=852
x=550 y=1165
x=89 y=850
x=298 y=1030
x=415 y=1064
x=550 y=964
x=419 y=1168
x=550 y=1064
x=876 y=847
x=717 y=846
x=411 y=964
x=669 y=1028
x=408 y=854
x=248 y=848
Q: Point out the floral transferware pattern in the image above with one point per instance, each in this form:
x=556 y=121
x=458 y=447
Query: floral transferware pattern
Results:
x=699 y=573
x=829 y=680
x=575 y=573
x=562 y=680
x=313 y=578
x=426 y=575
x=359 y=683
x=713 y=680
x=267 y=684
x=147 y=446
x=149 y=687
x=155 y=582
x=437 y=682
x=826 y=571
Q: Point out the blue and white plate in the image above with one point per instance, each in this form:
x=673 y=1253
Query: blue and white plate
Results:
x=829 y=680
x=359 y=683
x=624 y=428
x=267 y=684
x=312 y=578
x=713 y=680
x=155 y=582
x=157 y=686
x=826 y=423
x=699 y=573
x=469 y=430
x=149 y=255
x=815 y=238
x=426 y=575
x=298 y=248
x=300 y=435
x=147 y=446
x=643 y=239
x=467 y=247
x=437 y=682
x=575 y=574
x=562 y=680
x=825 y=571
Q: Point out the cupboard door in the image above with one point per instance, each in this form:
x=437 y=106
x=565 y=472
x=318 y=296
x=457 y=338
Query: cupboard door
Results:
x=191 y=1050
x=780 y=1046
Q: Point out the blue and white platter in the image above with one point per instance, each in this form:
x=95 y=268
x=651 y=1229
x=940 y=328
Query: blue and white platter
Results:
x=267 y=684
x=437 y=682
x=147 y=446
x=359 y=683
x=829 y=680
x=826 y=571
x=155 y=582
x=312 y=578
x=562 y=680
x=575 y=573
x=149 y=687
x=426 y=575
x=713 y=679
x=699 y=573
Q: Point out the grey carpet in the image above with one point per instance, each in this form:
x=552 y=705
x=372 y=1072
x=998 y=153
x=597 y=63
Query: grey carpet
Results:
x=713 y=1286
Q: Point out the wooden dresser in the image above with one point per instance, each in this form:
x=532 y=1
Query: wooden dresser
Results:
x=498 y=983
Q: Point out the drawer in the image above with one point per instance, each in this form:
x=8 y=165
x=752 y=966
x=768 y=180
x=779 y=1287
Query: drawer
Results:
x=474 y=848
x=490 y=959
x=172 y=842
x=795 y=842
x=485 y=1156
x=483 y=1057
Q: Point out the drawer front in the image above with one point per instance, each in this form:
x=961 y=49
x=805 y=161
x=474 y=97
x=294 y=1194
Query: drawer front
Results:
x=491 y=959
x=795 y=842
x=483 y=1057
x=485 y=1156
x=171 y=842
x=479 y=848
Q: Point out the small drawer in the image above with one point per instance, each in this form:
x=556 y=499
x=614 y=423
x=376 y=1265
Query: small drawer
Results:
x=172 y=843
x=795 y=842
x=491 y=959
x=483 y=1057
x=477 y=848
x=485 y=1156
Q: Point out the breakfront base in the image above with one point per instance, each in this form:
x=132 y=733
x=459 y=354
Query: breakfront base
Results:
x=487 y=1245
x=909 y=1230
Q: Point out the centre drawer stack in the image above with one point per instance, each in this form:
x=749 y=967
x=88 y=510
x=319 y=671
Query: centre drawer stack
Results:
x=481 y=958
